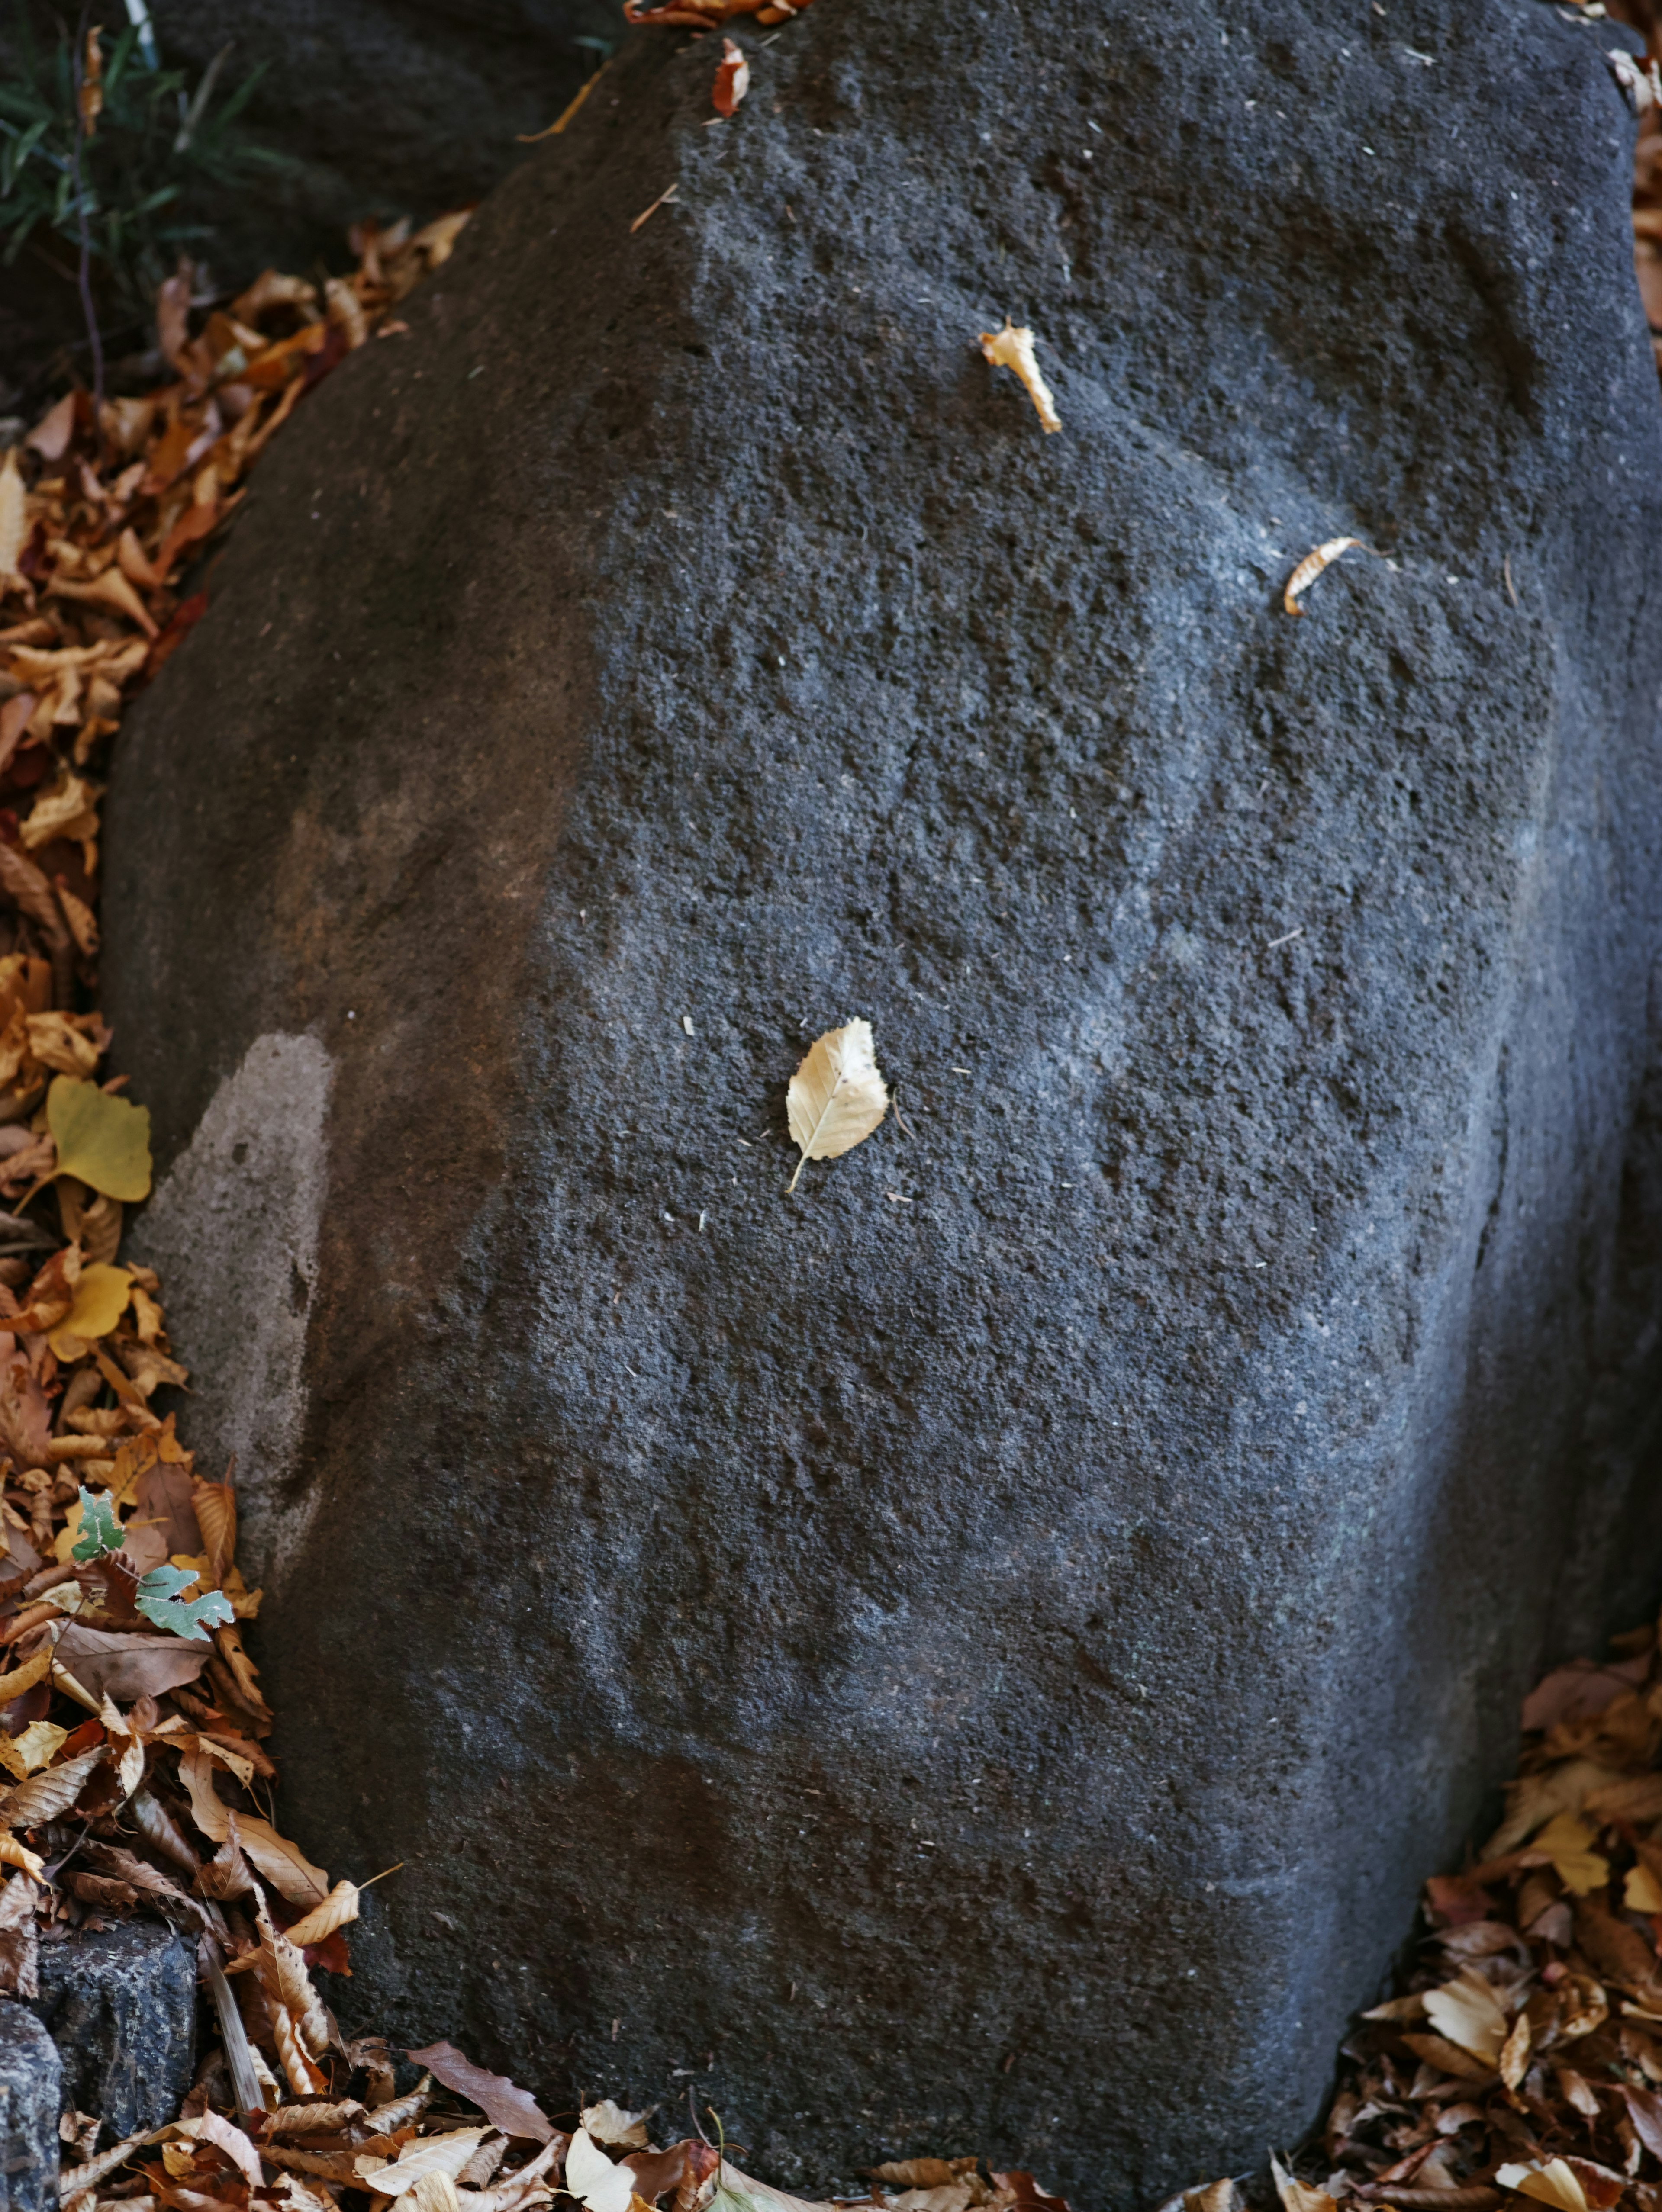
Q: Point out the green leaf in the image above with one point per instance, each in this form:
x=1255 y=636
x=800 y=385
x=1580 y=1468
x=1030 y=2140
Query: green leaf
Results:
x=100 y=1531
x=157 y=1598
x=101 y=1140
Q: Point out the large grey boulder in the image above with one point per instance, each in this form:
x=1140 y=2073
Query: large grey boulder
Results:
x=977 y=1655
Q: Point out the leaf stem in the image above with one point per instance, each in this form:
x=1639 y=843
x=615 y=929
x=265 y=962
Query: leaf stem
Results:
x=88 y=309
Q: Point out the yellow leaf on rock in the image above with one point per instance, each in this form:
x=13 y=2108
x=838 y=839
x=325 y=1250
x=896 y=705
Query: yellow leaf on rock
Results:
x=837 y=1097
x=1565 y=1840
x=336 y=1909
x=100 y=1299
x=1553 y=2183
x=1012 y=348
x=103 y=1141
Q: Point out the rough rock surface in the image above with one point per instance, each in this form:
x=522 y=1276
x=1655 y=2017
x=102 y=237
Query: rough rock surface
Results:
x=29 y=2092
x=120 y=2005
x=977 y=1655
x=386 y=108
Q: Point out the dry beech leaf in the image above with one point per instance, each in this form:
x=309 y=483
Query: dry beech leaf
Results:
x=503 y=2103
x=1567 y=1842
x=283 y=1864
x=732 y=78
x=1551 y=2182
x=46 y=1795
x=445 y=2153
x=101 y=1140
x=1295 y=2196
x=1515 y=2052
x=837 y=1097
x=1012 y=348
x=340 y=1906
x=608 y=2124
x=1467 y=2012
x=12 y=1853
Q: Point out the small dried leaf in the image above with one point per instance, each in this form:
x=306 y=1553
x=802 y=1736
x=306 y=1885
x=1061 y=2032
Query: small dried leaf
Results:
x=445 y=2153
x=1551 y=2182
x=506 y=2107
x=103 y=1140
x=1515 y=2052
x=46 y=1795
x=100 y=1299
x=1012 y=348
x=732 y=78
x=1295 y=2195
x=837 y=1097
x=606 y=2121
x=1312 y=567
x=1467 y=2012
x=1567 y=1841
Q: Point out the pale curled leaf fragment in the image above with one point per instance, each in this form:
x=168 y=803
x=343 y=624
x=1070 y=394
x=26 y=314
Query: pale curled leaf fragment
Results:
x=445 y=2153
x=1012 y=348
x=607 y=2122
x=1313 y=565
x=732 y=79
x=837 y=1097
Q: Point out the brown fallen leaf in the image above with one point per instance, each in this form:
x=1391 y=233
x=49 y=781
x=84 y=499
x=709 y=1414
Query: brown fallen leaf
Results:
x=1012 y=348
x=19 y=1948
x=1295 y=2195
x=1467 y=2012
x=123 y=1667
x=283 y=1864
x=46 y=1795
x=506 y=2107
x=732 y=78
x=837 y=1097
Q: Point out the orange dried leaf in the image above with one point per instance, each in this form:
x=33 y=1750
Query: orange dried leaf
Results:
x=1312 y=567
x=732 y=79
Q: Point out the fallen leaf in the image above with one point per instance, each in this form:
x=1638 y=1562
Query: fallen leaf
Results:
x=506 y=2107
x=608 y=2124
x=337 y=1910
x=39 y=1745
x=12 y=1853
x=836 y=1097
x=46 y=1795
x=591 y=2177
x=1467 y=2012
x=1640 y=1890
x=1513 y=2062
x=208 y=2127
x=100 y=1299
x=1551 y=2182
x=1312 y=567
x=287 y=1870
x=1567 y=1841
x=19 y=1942
x=100 y=1530
x=1295 y=2195
x=1012 y=348
x=732 y=78
x=103 y=1140
x=445 y=2153
x=127 y=1667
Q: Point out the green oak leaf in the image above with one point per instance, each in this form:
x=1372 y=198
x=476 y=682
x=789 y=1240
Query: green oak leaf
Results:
x=157 y=1598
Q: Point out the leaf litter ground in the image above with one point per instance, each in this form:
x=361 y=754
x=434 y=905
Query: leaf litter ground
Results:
x=1520 y=2054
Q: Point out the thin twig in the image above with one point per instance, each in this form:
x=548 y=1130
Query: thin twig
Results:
x=82 y=224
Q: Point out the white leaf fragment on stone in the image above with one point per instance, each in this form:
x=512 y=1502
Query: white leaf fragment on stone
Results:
x=1012 y=348
x=1642 y=87
x=14 y=521
x=837 y=1097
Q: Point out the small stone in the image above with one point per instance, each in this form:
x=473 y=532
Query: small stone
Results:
x=120 y=2005
x=29 y=2094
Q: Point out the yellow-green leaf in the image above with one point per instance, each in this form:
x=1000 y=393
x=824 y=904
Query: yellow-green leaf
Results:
x=103 y=1140
x=100 y=1299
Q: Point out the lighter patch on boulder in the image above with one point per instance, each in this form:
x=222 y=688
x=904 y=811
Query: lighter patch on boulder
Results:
x=232 y=1231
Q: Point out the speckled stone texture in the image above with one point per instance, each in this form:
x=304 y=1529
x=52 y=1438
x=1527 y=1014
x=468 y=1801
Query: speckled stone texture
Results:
x=29 y=2113
x=978 y=1656
x=119 y=2002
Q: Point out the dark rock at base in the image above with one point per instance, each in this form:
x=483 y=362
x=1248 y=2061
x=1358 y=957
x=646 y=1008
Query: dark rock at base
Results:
x=978 y=1655
x=119 y=2003
x=29 y=2106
